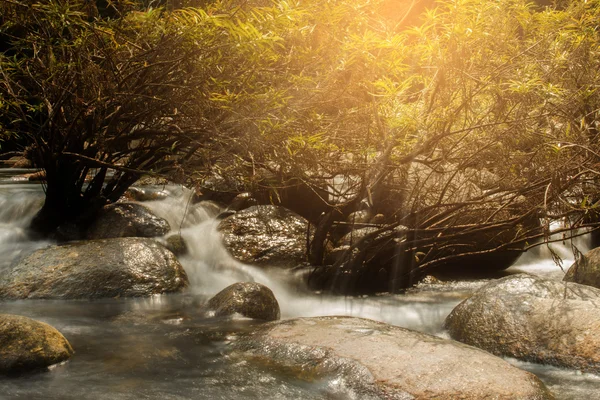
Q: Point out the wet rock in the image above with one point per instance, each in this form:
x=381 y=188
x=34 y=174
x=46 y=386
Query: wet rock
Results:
x=266 y=235
x=586 y=270
x=26 y=345
x=381 y=361
x=126 y=220
x=123 y=267
x=176 y=244
x=249 y=299
x=31 y=177
x=532 y=319
x=148 y=180
x=219 y=188
x=242 y=201
x=145 y=194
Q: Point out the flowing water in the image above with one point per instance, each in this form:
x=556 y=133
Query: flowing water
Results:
x=165 y=347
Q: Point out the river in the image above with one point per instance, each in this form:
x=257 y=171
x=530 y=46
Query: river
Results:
x=166 y=347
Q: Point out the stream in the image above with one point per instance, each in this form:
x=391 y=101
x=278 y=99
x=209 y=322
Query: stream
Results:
x=165 y=347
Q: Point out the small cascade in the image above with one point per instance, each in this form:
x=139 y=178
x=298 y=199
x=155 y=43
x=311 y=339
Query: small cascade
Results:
x=18 y=205
x=150 y=327
x=543 y=261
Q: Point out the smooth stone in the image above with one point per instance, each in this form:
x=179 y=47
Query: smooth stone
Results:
x=126 y=220
x=381 y=361
x=122 y=267
x=252 y=300
x=532 y=319
x=27 y=344
x=266 y=236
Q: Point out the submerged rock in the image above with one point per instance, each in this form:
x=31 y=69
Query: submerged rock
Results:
x=532 y=319
x=124 y=267
x=586 y=270
x=381 y=361
x=126 y=220
x=26 y=344
x=249 y=299
x=266 y=235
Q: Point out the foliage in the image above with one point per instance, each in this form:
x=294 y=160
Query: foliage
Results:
x=464 y=125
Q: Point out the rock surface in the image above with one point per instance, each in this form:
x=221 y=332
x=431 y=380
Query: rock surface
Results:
x=380 y=361
x=126 y=220
x=145 y=194
x=176 y=244
x=532 y=319
x=125 y=267
x=26 y=344
x=266 y=235
x=586 y=270
x=249 y=299
x=19 y=162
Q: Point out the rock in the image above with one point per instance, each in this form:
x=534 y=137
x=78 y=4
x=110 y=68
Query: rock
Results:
x=532 y=319
x=36 y=176
x=31 y=177
x=586 y=270
x=19 y=162
x=26 y=344
x=219 y=188
x=266 y=235
x=145 y=194
x=242 y=201
x=176 y=244
x=148 y=180
x=386 y=362
x=249 y=299
x=126 y=220
x=123 y=267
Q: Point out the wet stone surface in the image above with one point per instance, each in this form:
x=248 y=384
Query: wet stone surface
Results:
x=266 y=236
x=533 y=319
x=127 y=220
x=252 y=300
x=26 y=345
x=382 y=361
x=125 y=267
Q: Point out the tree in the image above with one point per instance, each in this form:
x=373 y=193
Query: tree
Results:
x=470 y=129
x=104 y=100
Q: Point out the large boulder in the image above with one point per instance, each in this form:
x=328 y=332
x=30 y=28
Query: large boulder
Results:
x=586 y=270
x=26 y=344
x=125 y=267
x=532 y=319
x=266 y=236
x=386 y=362
x=249 y=299
x=126 y=220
